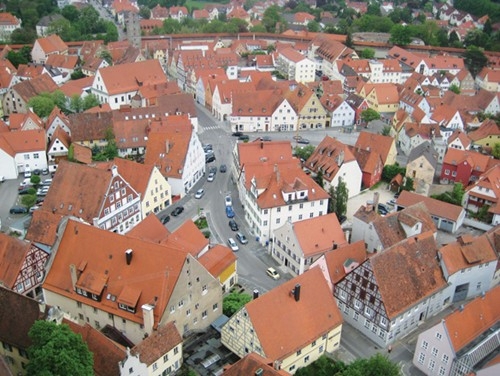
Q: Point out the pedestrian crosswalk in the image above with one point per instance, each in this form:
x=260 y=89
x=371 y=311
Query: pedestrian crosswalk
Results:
x=202 y=128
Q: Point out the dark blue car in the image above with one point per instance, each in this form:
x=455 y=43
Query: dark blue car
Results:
x=229 y=211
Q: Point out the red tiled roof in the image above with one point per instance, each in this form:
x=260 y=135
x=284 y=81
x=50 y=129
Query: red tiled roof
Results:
x=187 y=238
x=435 y=207
x=13 y=252
x=51 y=44
x=375 y=142
x=218 y=259
x=250 y=364
x=337 y=258
x=160 y=342
x=275 y=313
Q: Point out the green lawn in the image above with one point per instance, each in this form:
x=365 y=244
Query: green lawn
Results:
x=197 y=4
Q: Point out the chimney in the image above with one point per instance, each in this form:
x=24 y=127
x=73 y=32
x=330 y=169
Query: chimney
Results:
x=128 y=256
x=255 y=294
x=114 y=170
x=296 y=292
x=369 y=206
x=376 y=198
x=148 y=317
x=74 y=277
x=262 y=144
x=167 y=146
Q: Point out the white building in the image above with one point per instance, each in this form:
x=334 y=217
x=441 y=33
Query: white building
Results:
x=295 y=66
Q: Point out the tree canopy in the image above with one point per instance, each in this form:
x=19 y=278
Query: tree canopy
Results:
x=475 y=60
x=56 y=350
x=233 y=302
x=338 y=199
x=369 y=115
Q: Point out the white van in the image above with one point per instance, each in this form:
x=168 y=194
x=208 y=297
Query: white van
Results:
x=27 y=173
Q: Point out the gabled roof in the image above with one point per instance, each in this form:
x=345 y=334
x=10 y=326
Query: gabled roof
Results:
x=390 y=228
x=17 y=315
x=375 y=142
x=218 y=259
x=78 y=190
x=106 y=353
x=478 y=162
x=89 y=126
x=81 y=154
x=13 y=252
x=150 y=228
x=407 y=273
x=319 y=234
x=425 y=150
x=250 y=364
x=292 y=55
x=187 y=238
x=23 y=142
x=329 y=157
x=18 y=120
x=467 y=251
x=43 y=227
x=435 y=207
x=284 y=325
x=51 y=44
x=272 y=152
x=38 y=85
x=488 y=128
x=168 y=145
x=467 y=324
x=490 y=182
x=160 y=342
x=62 y=61
x=131 y=76
x=101 y=268
x=464 y=138
x=337 y=259
x=368 y=161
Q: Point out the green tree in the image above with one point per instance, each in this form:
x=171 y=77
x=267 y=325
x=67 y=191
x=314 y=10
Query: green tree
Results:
x=77 y=74
x=496 y=151
x=303 y=152
x=42 y=104
x=56 y=350
x=29 y=200
x=319 y=179
x=338 y=199
x=272 y=16
x=16 y=58
x=400 y=35
x=323 y=366
x=76 y=103
x=106 y=55
x=454 y=88
x=377 y=365
x=71 y=13
x=408 y=185
x=35 y=179
x=233 y=302
x=145 y=12
x=23 y=36
x=386 y=130
x=475 y=60
x=369 y=115
x=314 y=26
x=367 y=53
x=90 y=101
x=390 y=171
x=454 y=197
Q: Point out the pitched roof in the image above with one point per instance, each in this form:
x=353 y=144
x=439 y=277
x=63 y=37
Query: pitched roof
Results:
x=217 y=259
x=273 y=152
x=319 y=234
x=81 y=154
x=106 y=353
x=38 y=85
x=477 y=161
x=292 y=55
x=51 y=44
x=435 y=207
x=43 y=227
x=13 y=252
x=187 y=238
x=250 y=364
x=375 y=142
x=23 y=142
x=488 y=128
x=62 y=61
x=467 y=251
x=151 y=229
x=160 y=342
x=465 y=325
x=274 y=314
x=407 y=273
x=131 y=76
x=391 y=228
x=89 y=126
x=99 y=257
x=425 y=150
x=17 y=315
x=337 y=259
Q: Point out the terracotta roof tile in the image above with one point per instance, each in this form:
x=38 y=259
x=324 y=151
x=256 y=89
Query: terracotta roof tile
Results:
x=76 y=87
x=107 y=354
x=488 y=128
x=43 y=227
x=339 y=260
x=38 y=85
x=13 y=252
x=89 y=126
x=150 y=229
x=62 y=61
x=319 y=234
x=250 y=364
x=98 y=253
x=465 y=253
x=81 y=154
x=160 y=342
x=435 y=207
x=478 y=161
x=52 y=43
x=218 y=259
x=477 y=317
x=17 y=315
x=274 y=313
x=25 y=141
x=407 y=273
x=375 y=142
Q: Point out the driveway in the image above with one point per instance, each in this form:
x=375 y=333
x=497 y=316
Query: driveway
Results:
x=354 y=203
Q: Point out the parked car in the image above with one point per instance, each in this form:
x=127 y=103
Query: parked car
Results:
x=391 y=202
x=18 y=210
x=228 y=201
x=199 y=193
x=223 y=168
x=297 y=137
x=37 y=171
x=212 y=170
x=208 y=147
x=265 y=138
x=382 y=209
x=237 y=134
x=2 y=179
x=45 y=171
x=27 y=173
x=178 y=210
x=233 y=225
x=229 y=212
x=211 y=177
x=33 y=208
x=303 y=141
x=271 y=272
x=165 y=219
x=244 y=137
x=232 y=244
x=25 y=191
x=209 y=158
x=47 y=182
x=241 y=238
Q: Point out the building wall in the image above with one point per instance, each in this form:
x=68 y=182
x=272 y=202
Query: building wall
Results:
x=31 y=160
x=168 y=363
x=284 y=118
x=194 y=164
x=158 y=195
x=351 y=175
x=8 y=167
x=196 y=300
x=478 y=278
x=313 y=115
x=342 y=116
x=16 y=358
x=420 y=169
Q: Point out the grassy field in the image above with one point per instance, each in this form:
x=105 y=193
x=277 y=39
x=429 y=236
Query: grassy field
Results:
x=197 y=4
